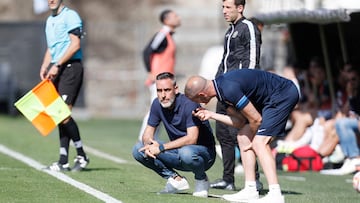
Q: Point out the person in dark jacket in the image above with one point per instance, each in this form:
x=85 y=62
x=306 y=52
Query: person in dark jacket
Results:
x=241 y=50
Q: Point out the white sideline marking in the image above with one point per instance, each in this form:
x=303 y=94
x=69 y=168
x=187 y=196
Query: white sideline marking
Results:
x=349 y=181
x=96 y=193
x=295 y=178
x=104 y=155
x=9 y=169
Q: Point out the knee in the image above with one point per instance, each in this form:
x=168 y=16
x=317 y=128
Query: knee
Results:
x=187 y=155
x=135 y=151
x=258 y=145
x=307 y=119
x=243 y=141
x=340 y=124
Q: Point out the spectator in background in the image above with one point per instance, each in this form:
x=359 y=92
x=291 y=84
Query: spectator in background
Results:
x=241 y=50
x=62 y=64
x=322 y=135
x=319 y=99
x=315 y=102
x=191 y=146
x=312 y=121
x=258 y=23
x=342 y=78
x=347 y=127
x=159 y=55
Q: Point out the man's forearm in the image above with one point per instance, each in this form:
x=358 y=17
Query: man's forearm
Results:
x=227 y=120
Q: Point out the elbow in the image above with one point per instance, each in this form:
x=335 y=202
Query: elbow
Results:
x=76 y=47
x=258 y=121
x=192 y=142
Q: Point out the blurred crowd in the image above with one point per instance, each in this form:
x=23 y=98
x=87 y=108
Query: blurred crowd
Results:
x=328 y=124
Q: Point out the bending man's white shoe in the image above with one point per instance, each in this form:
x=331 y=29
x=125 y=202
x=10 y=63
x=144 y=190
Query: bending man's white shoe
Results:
x=270 y=198
x=243 y=195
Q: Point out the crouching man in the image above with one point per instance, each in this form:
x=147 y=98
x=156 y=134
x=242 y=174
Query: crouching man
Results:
x=191 y=145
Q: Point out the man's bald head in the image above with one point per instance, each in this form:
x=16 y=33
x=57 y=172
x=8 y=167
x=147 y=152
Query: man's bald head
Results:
x=194 y=85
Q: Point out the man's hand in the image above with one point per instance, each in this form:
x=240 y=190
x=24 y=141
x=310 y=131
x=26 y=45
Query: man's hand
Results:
x=151 y=150
x=202 y=113
x=150 y=79
x=52 y=73
x=43 y=72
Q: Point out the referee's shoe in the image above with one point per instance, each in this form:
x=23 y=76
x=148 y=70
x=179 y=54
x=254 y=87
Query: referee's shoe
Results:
x=56 y=166
x=80 y=163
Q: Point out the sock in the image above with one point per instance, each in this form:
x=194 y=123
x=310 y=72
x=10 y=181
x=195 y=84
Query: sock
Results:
x=275 y=189
x=64 y=145
x=250 y=185
x=72 y=131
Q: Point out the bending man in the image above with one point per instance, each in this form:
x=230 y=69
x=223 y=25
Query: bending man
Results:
x=264 y=101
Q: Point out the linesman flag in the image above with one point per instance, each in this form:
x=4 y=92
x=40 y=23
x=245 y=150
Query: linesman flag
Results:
x=44 y=107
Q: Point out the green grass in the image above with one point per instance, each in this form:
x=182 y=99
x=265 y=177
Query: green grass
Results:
x=129 y=182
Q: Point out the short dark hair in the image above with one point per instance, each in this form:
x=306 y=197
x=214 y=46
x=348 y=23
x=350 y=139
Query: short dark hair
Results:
x=239 y=2
x=166 y=75
x=164 y=14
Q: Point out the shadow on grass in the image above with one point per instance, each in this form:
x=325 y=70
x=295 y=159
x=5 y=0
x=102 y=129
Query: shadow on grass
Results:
x=188 y=194
x=262 y=192
x=99 y=169
x=287 y=192
x=284 y=192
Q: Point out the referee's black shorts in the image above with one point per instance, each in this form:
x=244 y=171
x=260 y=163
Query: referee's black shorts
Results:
x=69 y=81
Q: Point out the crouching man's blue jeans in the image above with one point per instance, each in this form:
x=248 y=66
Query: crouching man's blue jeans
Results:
x=194 y=158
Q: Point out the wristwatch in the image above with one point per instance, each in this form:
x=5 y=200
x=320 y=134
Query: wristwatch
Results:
x=57 y=65
x=161 y=148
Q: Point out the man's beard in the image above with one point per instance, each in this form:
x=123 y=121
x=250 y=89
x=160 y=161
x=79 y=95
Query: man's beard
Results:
x=168 y=104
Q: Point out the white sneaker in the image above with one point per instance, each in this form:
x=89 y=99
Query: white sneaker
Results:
x=348 y=167
x=337 y=156
x=243 y=195
x=285 y=146
x=80 y=163
x=201 y=188
x=56 y=166
x=173 y=186
x=270 y=198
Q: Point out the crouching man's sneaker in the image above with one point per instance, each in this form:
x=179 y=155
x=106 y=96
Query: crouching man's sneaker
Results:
x=201 y=188
x=80 y=163
x=56 y=166
x=243 y=195
x=270 y=197
x=175 y=186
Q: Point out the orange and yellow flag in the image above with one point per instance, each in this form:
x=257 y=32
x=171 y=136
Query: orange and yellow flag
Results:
x=44 y=107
